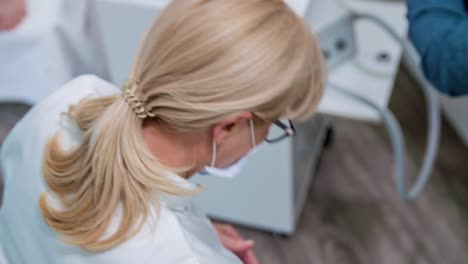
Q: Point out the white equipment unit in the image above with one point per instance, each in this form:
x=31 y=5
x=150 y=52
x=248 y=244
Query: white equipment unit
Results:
x=271 y=190
x=364 y=72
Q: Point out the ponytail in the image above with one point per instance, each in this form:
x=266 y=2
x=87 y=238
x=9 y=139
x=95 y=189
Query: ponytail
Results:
x=111 y=169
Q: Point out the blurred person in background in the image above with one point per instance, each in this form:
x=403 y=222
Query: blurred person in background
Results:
x=12 y=13
x=439 y=31
x=99 y=174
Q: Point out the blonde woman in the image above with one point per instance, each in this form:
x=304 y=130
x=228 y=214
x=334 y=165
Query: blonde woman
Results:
x=96 y=174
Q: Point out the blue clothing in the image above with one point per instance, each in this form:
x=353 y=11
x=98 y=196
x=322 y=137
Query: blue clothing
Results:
x=439 y=31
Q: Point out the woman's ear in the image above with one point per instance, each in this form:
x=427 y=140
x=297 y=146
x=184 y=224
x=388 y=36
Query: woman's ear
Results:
x=225 y=128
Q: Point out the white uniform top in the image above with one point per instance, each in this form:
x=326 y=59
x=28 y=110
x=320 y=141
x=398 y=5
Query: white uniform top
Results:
x=181 y=236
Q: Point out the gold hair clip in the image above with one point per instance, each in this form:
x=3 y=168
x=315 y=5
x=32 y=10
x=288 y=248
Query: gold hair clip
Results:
x=137 y=104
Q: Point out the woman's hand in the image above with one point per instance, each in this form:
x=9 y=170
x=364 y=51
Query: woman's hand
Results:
x=233 y=241
x=12 y=13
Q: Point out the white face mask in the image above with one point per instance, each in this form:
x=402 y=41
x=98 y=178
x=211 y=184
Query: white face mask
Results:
x=234 y=169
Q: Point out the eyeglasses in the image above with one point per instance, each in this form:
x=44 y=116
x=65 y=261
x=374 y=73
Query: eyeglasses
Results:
x=280 y=131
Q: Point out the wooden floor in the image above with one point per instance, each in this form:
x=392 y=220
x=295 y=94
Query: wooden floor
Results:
x=354 y=214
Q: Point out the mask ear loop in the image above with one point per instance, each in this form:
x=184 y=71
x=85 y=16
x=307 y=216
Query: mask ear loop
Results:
x=252 y=133
x=213 y=154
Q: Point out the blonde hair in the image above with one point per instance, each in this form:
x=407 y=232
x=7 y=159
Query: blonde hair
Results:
x=201 y=61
